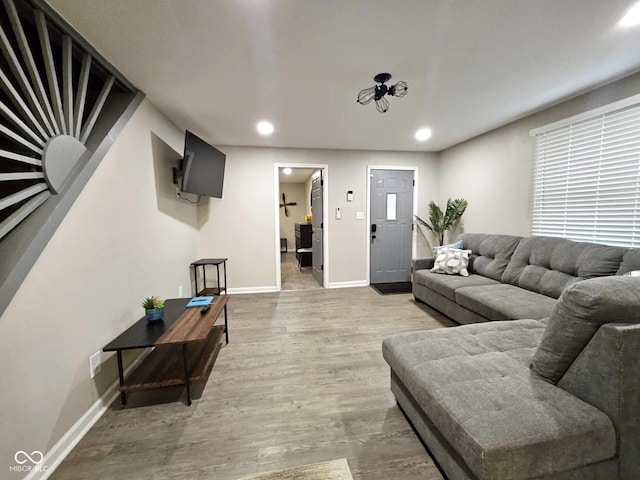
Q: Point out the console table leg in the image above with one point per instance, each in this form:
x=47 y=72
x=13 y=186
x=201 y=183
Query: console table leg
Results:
x=123 y=395
x=226 y=325
x=195 y=279
x=204 y=278
x=187 y=375
x=224 y=266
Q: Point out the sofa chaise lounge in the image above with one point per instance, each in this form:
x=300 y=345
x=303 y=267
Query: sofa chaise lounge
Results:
x=535 y=397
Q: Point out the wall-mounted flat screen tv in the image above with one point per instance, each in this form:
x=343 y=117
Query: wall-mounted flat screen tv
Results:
x=203 y=167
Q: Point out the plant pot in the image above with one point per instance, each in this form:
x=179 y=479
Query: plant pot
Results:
x=154 y=314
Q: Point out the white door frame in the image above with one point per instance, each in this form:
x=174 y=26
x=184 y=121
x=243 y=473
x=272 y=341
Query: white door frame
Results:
x=415 y=210
x=325 y=208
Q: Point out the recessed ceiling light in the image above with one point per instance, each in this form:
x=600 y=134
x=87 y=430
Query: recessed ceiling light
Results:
x=423 y=134
x=265 y=128
x=286 y=171
x=632 y=17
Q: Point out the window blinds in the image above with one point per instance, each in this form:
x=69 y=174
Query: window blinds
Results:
x=586 y=179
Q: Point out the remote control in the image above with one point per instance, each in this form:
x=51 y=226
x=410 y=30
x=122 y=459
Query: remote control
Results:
x=204 y=310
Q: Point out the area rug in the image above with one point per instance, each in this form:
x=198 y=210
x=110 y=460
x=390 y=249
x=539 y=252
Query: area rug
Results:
x=332 y=470
x=398 y=287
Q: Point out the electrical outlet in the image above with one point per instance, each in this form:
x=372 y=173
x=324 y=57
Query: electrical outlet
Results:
x=95 y=364
x=180 y=291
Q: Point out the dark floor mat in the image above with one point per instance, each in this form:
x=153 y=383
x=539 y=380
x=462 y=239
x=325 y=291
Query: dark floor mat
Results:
x=398 y=287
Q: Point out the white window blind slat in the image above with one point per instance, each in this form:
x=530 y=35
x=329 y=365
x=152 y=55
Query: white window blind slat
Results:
x=586 y=178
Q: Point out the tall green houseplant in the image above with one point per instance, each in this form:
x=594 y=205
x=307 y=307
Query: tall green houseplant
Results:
x=441 y=222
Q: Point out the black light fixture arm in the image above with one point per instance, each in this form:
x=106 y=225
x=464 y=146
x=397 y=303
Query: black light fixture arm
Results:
x=381 y=91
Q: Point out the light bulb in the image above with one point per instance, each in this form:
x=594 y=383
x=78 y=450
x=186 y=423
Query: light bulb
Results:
x=382 y=105
x=399 y=89
x=366 y=95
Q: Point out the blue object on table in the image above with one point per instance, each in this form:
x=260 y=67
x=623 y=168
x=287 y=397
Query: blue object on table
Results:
x=200 y=301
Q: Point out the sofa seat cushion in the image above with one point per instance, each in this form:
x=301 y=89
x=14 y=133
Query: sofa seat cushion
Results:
x=504 y=302
x=446 y=285
x=474 y=384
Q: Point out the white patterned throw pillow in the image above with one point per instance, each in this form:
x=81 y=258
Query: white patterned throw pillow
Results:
x=452 y=261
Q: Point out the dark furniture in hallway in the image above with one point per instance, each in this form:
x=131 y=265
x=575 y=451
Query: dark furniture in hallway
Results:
x=303 y=241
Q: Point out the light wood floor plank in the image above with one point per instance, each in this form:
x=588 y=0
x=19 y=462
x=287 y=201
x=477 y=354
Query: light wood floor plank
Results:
x=301 y=381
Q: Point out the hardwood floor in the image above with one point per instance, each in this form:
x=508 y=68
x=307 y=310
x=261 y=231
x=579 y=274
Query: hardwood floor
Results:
x=301 y=381
x=292 y=277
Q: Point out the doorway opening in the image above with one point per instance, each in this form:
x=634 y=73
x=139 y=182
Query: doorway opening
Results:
x=300 y=228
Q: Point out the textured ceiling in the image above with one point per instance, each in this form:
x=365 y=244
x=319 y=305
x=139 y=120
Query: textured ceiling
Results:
x=217 y=67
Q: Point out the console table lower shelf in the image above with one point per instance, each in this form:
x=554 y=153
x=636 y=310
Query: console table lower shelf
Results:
x=164 y=366
x=186 y=341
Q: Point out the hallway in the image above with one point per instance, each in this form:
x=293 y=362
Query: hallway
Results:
x=294 y=279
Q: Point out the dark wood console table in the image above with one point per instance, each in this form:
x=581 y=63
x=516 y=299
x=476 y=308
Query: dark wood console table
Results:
x=187 y=344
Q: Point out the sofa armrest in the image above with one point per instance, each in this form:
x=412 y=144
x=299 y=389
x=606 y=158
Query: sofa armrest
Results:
x=422 y=263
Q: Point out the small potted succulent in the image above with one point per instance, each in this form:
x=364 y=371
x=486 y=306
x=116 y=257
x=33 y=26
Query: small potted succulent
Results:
x=154 y=308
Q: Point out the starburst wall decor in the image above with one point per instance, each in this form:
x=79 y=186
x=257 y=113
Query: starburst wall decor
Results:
x=61 y=106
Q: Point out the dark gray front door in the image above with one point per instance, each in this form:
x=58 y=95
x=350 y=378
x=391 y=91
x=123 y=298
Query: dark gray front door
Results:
x=391 y=225
x=316 y=227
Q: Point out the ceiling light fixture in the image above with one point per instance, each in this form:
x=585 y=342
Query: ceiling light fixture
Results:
x=632 y=17
x=423 y=134
x=286 y=171
x=265 y=128
x=378 y=92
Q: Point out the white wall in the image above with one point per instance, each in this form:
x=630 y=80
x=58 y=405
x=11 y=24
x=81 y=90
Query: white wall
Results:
x=241 y=225
x=294 y=193
x=493 y=171
x=126 y=237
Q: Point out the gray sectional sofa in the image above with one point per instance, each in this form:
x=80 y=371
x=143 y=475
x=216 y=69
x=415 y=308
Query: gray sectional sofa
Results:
x=515 y=277
x=543 y=382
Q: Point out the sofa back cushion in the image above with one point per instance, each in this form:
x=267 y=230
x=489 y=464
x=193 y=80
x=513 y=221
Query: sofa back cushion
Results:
x=582 y=308
x=630 y=261
x=547 y=265
x=490 y=254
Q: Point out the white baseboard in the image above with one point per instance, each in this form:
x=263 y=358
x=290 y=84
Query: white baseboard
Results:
x=243 y=290
x=54 y=457
x=357 y=283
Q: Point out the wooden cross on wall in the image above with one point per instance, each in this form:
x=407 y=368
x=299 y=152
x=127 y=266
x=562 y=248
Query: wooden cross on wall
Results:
x=285 y=205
